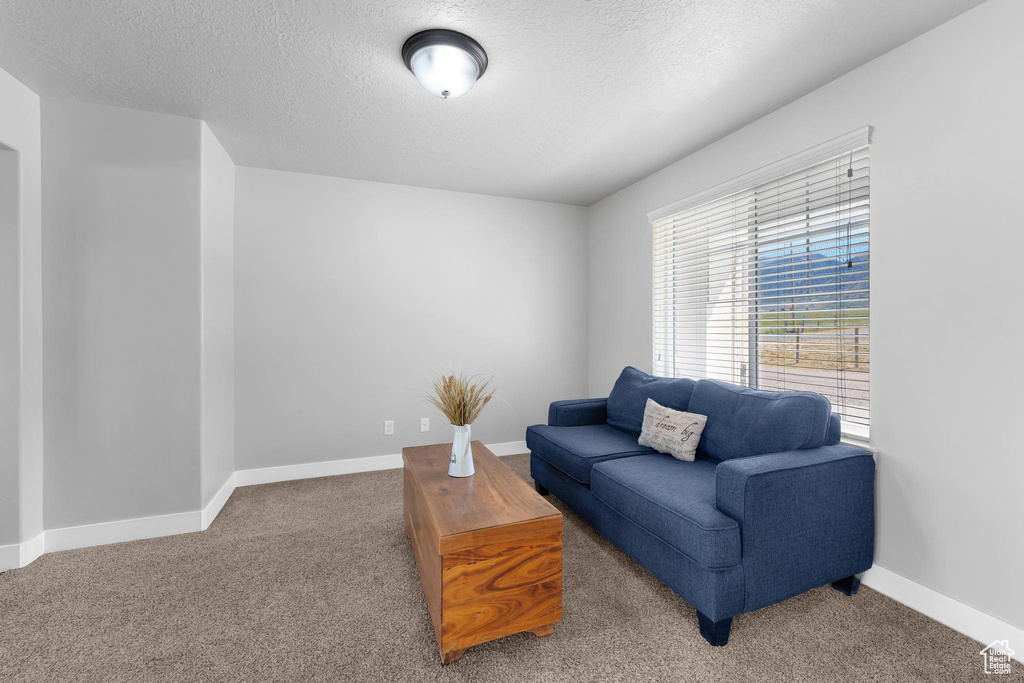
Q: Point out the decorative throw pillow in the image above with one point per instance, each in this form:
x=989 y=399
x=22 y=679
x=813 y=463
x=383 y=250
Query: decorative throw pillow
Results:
x=671 y=431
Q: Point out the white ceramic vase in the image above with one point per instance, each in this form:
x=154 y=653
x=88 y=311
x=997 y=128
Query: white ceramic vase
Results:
x=462 y=453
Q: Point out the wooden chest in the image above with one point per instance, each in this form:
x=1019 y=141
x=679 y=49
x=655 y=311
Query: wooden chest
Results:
x=488 y=549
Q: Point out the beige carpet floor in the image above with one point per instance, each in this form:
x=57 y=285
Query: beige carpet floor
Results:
x=314 y=581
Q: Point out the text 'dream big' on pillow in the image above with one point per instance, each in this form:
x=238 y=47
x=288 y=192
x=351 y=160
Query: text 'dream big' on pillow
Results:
x=671 y=431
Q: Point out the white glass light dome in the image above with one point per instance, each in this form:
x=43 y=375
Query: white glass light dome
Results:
x=446 y=63
x=444 y=71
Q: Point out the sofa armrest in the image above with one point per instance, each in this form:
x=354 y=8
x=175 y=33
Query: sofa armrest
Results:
x=578 y=412
x=806 y=517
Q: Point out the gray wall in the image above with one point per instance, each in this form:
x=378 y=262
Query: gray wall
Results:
x=218 y=310
x=350 y=294
x=10 y=349
x=946 y=243
x=21 y=340
x=122 y=313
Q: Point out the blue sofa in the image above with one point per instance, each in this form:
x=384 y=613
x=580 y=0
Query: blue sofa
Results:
x=773 y=505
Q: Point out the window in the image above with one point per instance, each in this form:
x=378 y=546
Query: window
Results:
x=767 y=284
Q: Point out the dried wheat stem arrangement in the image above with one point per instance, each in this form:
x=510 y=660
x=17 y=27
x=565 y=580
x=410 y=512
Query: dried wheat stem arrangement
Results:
x=461 y=398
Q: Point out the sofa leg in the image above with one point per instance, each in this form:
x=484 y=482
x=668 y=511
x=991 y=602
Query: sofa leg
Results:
x=715 y=632
x=848 y=586
x=540 y=489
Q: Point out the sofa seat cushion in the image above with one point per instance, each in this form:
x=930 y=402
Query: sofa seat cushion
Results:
x=673 y=500
x=744 y=422
x=628 y=400
x=575 y=450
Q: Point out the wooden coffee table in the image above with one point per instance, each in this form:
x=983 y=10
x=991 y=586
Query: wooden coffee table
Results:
x=488 y=549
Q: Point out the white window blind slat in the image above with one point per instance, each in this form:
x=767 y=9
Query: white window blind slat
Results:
x=769 y=286
x=814 y=197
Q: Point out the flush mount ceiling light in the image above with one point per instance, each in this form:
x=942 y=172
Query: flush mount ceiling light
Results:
x=446 y=63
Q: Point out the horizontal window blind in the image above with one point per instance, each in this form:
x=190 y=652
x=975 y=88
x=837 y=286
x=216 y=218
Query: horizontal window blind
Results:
x=768 y=287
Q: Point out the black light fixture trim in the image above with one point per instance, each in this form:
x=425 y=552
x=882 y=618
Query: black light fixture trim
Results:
x=443 y=36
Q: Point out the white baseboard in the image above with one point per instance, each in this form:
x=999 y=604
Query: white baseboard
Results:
x=68 y=538
x=20 y=554
x=213 y=508
x=10 y=556
x=508 y=448
x=330 y=468
x=968 y=620
x=33 y=548
x=102 y=533
x=310 y=470
x=972 y=622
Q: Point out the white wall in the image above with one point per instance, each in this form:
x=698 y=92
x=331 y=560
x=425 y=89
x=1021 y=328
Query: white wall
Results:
x=122 y=313
x=946 y=242
x=217 y=214
x=21 y=400
x=350 y=294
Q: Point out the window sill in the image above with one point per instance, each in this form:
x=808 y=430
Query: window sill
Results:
x=858 y=440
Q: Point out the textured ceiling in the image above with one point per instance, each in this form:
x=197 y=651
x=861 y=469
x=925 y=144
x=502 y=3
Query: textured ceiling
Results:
x=580 y=97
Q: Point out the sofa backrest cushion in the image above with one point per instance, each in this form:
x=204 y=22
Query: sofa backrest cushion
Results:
x=744 y=422
x=629 y=396
x=835 y=430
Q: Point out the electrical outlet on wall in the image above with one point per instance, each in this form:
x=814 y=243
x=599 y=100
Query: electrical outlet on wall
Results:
x=424 y=424
x=389 y=427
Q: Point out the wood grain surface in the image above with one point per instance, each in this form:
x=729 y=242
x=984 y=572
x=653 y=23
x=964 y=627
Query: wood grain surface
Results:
x=465 y=510
x=500 y=589
x=488 y=549
x=428 y=562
